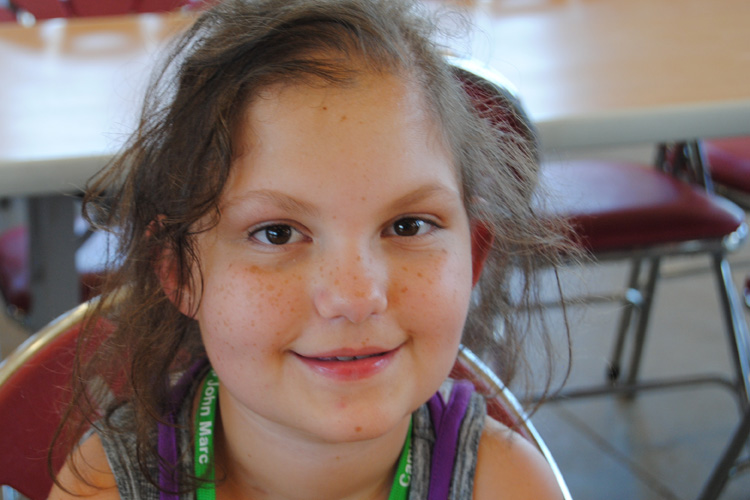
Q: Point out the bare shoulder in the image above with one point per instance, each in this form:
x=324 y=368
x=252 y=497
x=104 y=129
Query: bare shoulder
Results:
x=94 y=478
x=509 y=463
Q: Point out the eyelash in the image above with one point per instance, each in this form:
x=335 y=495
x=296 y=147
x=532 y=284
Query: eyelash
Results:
x=287 y=232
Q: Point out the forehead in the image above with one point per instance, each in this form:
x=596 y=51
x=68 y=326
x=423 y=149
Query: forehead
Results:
x=378 y=124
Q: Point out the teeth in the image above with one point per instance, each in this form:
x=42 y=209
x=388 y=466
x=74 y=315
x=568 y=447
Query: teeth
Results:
x=347 y=358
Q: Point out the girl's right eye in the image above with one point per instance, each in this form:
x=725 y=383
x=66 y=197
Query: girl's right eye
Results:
x=276 y=234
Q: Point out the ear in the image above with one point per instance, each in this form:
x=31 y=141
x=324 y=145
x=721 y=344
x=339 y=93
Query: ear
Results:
x=167 y=272
x=481 y=244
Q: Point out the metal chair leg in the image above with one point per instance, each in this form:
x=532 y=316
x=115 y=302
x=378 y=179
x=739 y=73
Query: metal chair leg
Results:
x=736 y=326
x=723 y=468
x=643 y=318
x=630 y=304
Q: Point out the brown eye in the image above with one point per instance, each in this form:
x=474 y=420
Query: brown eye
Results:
x=275 y=234
x=408 y=226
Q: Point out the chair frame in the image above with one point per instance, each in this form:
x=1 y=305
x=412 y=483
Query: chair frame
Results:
x=506 y=408
x=39 y=352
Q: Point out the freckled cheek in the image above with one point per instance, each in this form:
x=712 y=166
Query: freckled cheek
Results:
x=251 y=311
x=434 y=292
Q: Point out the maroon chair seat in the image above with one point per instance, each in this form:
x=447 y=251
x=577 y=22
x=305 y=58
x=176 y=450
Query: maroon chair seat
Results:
x=7 y=16
x=48 y=9
x=43 y=9
x=617 y=206
x=729 y=162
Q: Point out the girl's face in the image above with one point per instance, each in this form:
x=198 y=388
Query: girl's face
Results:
x=337 y=282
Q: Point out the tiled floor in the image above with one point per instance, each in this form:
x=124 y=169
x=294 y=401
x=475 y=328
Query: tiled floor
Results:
x=663 y=444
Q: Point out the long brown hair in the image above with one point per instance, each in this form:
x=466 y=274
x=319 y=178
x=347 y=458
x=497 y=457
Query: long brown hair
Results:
x=173 y=170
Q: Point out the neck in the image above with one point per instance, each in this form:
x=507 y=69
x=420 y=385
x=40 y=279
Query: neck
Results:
x=256 y=460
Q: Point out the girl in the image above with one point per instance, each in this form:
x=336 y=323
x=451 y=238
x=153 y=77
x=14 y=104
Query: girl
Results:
x=304 y=227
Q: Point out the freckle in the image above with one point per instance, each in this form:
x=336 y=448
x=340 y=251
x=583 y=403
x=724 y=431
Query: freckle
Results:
x=325 y=108
x=358 y=429
x=343 y=118
x=419 y=274
x=404 y=268
x=405 y=289
x=336 y=282
x=270 y=288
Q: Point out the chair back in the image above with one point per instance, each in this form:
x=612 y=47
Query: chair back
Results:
x=48 y=9
x=34 y=383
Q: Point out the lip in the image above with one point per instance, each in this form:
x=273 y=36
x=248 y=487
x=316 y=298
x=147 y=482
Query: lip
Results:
x=371 y=362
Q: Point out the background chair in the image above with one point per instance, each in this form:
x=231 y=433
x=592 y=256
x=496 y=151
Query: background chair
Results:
x=628 y=212
x=33 y=391
x=33 y=383
x=729 y=167
x=48 y=9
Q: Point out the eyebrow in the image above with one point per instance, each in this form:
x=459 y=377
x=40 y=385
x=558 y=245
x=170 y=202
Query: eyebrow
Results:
x=423 y=193
x=290 y=204
x=275 y=198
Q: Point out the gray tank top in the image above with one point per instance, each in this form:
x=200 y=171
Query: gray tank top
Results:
x=133 y=484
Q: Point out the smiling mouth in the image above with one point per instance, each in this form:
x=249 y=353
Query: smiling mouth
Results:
x=350 y=358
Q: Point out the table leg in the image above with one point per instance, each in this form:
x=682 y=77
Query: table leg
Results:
x=54 y=283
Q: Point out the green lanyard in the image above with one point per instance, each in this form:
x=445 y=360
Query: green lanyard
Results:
x=204 y=447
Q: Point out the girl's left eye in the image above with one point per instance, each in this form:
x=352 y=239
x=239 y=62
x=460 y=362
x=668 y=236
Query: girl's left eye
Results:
x=276 y=234
x=411 y=226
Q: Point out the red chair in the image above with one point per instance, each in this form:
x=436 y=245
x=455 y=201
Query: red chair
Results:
x=33 y=391
x=48 y=9
x=729 y=166
x=622 y=211
x=7 y=15
x=43 y=9
x=627 y=211
x=33 y=383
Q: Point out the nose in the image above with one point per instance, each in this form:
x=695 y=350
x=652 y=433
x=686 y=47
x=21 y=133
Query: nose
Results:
x=352 y=285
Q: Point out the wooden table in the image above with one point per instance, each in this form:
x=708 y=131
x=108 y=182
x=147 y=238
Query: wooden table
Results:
x=613 y=72
x=590 y=72
x=70 y=92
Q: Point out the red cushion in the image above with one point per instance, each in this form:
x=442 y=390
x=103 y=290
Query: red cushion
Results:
x=32 y=401
x=729 y=161
x=622 y=206
x=44 y=9
x=6 y=15
x=101 y=8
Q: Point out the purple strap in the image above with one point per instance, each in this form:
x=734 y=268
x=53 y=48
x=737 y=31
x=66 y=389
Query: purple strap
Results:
x=446 y=420
x=168 y=450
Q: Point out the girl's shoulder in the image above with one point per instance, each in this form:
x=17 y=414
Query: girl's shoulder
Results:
x=508 y=462
x=86 y=473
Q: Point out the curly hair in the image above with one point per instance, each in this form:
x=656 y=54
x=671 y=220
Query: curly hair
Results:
x=173 y=170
